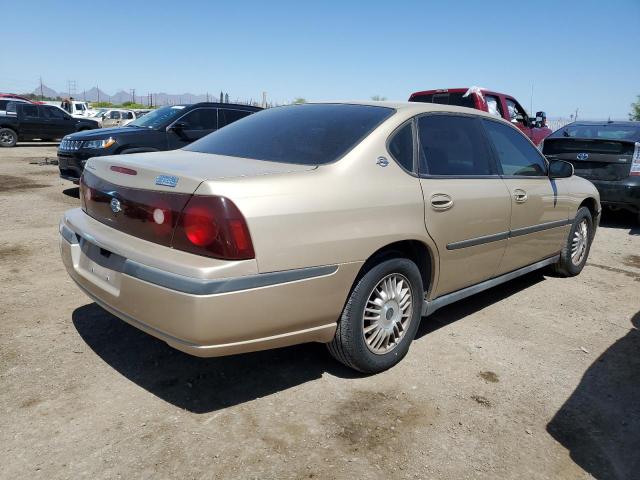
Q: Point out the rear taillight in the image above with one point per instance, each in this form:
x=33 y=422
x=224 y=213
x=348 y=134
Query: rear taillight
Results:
x=83 y=192
x=635 y=163
x=213 y=226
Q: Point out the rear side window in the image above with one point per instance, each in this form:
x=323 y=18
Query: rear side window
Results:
x=201 y=119
x=516 y=155
x=401 y=147
x=308 y=134
x=30 y=111
x=225 y=116
x=3 y=104
x=114 y=115
x=452 y=145
x=493 y=105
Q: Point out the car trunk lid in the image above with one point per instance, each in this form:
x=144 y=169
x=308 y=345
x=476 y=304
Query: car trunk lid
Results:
x=593 y=159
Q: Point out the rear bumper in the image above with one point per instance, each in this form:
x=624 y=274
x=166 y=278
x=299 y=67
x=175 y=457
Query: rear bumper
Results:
x=215 y=316
x=620 y=193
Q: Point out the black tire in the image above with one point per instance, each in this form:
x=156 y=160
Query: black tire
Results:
x=566 y=267
x=8 y=138
x=349 y=346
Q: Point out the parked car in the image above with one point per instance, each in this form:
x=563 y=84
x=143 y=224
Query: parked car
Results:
x=166 y=128
x=607 y=154
x=115 y=117
x=4 y=101
x=27 y=121
x=335 y=223
x=497 y=104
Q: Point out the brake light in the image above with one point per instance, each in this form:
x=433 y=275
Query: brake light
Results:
x=125 y=170
x=635 y=163
x=214 y=227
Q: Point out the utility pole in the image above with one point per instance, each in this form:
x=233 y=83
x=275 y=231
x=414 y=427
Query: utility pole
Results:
x=264 y=99
x=98 y=92
x=575 y=119
x=71 y=84
x=133 y=95
x=41 y=94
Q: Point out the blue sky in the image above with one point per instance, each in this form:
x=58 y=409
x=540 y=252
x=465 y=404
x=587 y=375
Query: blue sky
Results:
x=577 y=54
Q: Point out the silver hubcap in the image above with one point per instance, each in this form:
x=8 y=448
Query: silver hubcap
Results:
x=579 y=243
x=387 y=314
x=6 y=137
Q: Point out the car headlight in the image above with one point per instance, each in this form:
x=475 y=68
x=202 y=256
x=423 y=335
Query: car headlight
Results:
x=106 y=143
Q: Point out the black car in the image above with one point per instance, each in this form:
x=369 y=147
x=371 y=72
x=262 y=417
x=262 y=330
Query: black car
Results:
x=607 y=154
x=28 y=121
x=167 y=128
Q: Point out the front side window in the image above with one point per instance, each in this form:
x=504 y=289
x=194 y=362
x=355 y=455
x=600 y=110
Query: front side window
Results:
x=201 y=119
x=307 y=134
x=227 y=116
x=516 y=155
x=401 y=147
x=54 y=113
x=452 y=145
x=516 y=112
x=114 y=115
x=158 y=118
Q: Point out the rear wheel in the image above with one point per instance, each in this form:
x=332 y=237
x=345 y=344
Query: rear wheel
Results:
x=573 y=256
x=8 y=138
x=380 y=318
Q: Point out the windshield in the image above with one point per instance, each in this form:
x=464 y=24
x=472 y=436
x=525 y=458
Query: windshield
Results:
x=159 y=117
x=310 y=134
x=607 y=132
x=98 y=112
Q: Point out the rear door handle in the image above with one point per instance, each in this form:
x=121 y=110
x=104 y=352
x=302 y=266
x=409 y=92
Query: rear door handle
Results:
x=519 y=195
x=441 y=201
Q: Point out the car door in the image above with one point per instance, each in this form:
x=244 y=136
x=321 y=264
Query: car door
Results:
x=192 y=126
x=32 y=121
x=539 y=205
x=467 y=205
x=59 y=123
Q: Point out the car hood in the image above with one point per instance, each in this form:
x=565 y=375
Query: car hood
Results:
x=189 y=168
x=105 y=132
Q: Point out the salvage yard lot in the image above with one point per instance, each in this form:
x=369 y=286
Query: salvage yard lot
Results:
x=537 y=378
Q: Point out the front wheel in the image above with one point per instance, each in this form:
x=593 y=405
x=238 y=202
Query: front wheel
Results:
x=380 y=318
x=575 y=251
x=8 y=138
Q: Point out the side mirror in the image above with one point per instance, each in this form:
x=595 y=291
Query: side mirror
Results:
x=560 y=169
x=541 y=119
x=178 y=127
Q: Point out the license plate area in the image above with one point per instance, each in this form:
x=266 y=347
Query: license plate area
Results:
x=101 y=267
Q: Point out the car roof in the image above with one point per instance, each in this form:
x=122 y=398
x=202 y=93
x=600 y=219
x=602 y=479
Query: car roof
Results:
x=629 y=123
x=218 y=105
x=416 y=107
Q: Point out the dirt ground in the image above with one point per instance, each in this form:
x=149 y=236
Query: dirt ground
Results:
x=536 y=379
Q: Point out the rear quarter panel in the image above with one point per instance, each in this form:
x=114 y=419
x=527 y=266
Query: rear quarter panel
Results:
x=338 y=213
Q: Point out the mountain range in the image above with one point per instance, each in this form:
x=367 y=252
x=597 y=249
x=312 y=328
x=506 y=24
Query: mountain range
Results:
x=96 y=95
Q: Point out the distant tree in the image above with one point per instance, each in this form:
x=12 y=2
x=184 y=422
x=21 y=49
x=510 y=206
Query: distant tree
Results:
x=635 y=110
x=101 y=104
x=378 y=98
x=299 y=100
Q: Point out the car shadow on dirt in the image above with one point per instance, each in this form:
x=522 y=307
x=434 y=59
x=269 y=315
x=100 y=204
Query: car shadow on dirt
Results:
x=73 y=192
x=200 y=385
x=621 y=219
x=457 y=311
x=600 y=422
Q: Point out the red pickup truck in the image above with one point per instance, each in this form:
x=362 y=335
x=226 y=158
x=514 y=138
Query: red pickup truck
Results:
x=498 y=104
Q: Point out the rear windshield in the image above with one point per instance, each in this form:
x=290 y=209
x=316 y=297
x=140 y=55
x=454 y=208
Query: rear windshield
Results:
x=310 y=134
x=446 y=98
x=605 y=132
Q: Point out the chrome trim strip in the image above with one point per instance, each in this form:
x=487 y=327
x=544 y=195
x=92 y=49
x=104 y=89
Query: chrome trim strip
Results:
x=428 y=307
x=197 y=286
x=472 y=242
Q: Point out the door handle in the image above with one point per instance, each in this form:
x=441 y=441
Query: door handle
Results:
x=441 y=201
x=519 y=195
